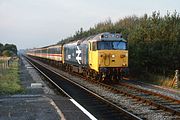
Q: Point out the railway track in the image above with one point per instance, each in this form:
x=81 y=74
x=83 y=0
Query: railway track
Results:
x=95 y=104
x=161 y=102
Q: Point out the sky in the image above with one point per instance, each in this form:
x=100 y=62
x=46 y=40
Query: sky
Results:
x=39 y=23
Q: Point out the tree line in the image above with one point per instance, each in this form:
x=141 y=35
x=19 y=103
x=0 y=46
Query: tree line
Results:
x=153 y=41
x=8 y=50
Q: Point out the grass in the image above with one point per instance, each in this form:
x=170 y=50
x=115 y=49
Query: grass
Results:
x=1 y=61
x=158 y=80
x=10 y=80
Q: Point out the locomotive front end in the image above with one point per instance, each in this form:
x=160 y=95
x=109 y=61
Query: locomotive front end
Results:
x=108 y=56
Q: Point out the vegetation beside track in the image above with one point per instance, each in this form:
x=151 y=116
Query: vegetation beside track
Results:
x=158 y=80
x=10 y=79
x=1 y=61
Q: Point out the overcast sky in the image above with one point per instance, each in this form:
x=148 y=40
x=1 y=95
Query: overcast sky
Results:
x=38 y=23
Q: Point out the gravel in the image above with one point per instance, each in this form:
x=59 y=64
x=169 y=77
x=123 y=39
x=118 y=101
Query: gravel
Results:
x=29 y=75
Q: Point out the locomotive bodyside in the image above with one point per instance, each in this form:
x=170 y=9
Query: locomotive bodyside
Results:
x=76 y=53
x=75 y=56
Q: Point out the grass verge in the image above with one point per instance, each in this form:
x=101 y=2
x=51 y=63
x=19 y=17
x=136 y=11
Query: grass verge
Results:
x=10 y=80
x=158 y=80
x=1 y=61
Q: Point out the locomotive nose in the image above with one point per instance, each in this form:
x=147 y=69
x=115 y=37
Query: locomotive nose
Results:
x=113 y=59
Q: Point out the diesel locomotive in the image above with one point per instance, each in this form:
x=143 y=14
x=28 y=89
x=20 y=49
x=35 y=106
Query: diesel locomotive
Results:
x=102 y=57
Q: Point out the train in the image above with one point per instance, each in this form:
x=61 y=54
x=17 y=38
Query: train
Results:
x=102 y=57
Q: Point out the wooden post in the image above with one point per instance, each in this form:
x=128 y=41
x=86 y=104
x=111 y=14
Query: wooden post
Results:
x=0 y=69
x=176 y=79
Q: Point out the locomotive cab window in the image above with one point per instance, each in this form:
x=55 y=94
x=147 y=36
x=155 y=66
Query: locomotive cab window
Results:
x=119 y=45
x=90 y=46
x=94 y=46
x=112 y=45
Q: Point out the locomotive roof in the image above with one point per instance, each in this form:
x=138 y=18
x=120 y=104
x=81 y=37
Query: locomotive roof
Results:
x=106 y=36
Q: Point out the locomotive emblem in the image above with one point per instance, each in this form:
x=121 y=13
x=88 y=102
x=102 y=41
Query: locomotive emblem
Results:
x=78 y=57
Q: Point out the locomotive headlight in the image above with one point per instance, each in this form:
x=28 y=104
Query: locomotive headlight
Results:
x=113 y=56
x=126 y=54
x=117 y=36
x=124 y=64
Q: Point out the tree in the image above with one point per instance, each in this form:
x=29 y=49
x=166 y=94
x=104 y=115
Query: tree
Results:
x=1 y=48
x=7 y=53
x=11 y=47
x=8 y=49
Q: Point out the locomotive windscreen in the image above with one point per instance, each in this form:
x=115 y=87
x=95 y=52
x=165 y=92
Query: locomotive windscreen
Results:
x=111 y=45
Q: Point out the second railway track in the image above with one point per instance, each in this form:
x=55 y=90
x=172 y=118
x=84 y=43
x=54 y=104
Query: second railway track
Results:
x=158 y=100
x=162 y=102
x=95 y=104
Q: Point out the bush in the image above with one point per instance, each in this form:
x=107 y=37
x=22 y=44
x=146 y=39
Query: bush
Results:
x=7 y=53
